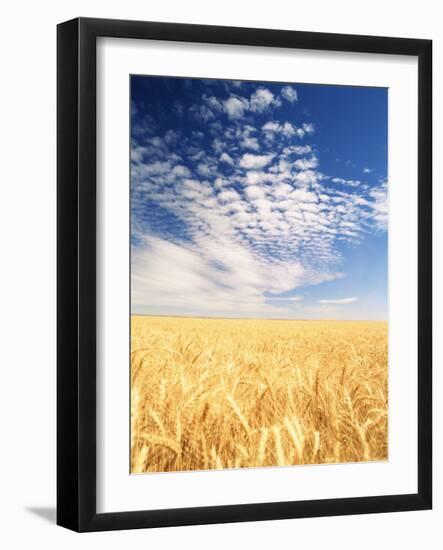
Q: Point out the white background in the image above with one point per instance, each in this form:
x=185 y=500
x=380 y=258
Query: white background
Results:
x=27 y=218
x=117 y=490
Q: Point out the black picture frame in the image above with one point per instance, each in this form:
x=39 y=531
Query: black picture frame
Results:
x=76 y=280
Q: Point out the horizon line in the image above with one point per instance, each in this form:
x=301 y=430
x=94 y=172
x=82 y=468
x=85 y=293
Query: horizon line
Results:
x=254 y=318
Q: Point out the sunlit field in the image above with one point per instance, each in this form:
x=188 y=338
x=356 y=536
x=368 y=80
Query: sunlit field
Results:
x=230 y=393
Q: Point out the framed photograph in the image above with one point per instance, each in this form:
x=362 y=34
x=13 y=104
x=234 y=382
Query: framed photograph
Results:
x=244 y=274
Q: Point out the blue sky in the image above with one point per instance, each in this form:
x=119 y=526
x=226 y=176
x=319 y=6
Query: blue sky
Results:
x=258 y=199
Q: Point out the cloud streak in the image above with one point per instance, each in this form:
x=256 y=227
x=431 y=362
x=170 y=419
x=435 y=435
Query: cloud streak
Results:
x=213 y=277
x=339 y=301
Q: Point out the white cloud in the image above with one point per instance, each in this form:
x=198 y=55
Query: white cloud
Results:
x=366 y=170
x=271 y=126
x=254 y=192
x=289 y=93
x=308 y=127
x=339 y=301
x=218 y=145
x=307 y=177
x=250 y=142
x=283 y=190
x=229 y=195
x=192 y=189
x=297 y=150
x=287 y=129
x=262 y=99
x=181 y=171
x=171 y=137
x=224 y=157
x=380 y=206
x=220 y=182
x=306 y=163
x=285 y=298
x=217 y=275
x=212 y=102
x=235 y=106
x=254 y=177
x=155 y=168
x=201 y=112
x=350 y=182
x=254 y=162
x=204 y=170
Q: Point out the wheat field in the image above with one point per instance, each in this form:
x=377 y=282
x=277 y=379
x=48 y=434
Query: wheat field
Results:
x=231 y=393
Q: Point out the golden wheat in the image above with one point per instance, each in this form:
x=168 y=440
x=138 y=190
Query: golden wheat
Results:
x=228 y=393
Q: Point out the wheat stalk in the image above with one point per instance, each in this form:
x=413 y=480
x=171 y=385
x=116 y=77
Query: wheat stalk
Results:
x=218 y=393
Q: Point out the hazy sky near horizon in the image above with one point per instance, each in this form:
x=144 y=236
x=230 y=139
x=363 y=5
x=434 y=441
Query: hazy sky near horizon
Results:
x=258 y=199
